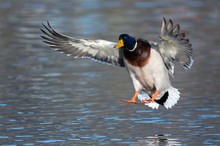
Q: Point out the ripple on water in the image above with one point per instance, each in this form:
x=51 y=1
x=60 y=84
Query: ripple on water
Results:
x=15 y=128
x=139 y=120
x=209 y=116
x=2 y=137
x=24 y=136
x=55 y=74
x=51 y=141
x=2 y=105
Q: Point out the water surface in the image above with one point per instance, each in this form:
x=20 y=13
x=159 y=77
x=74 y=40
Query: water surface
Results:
x=47 y=98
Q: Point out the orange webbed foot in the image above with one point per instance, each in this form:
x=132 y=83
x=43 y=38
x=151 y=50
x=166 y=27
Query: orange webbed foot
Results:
x=130 y=101
x=134 y=98
x=151 y=99
x=147 y=101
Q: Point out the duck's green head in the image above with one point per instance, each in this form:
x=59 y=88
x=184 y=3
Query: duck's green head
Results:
x=126 y=41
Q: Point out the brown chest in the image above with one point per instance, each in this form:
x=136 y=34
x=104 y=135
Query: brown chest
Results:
x=140 y=55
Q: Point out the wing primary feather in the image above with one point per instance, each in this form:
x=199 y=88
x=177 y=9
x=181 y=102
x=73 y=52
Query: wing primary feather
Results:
x=174 y=46
x=46 y=38
x=51 y=32
x=170 y=27
x=46 y=33
x=57 y=34
x=50 y=43
x=176 y=29
x=164 y=27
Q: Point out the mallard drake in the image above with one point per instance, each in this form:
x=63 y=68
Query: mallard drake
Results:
x=149 y=64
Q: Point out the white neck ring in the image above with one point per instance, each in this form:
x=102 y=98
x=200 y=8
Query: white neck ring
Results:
x=134 y=47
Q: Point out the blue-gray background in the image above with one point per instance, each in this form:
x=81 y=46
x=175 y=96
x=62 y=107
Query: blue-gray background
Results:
x=47 y=98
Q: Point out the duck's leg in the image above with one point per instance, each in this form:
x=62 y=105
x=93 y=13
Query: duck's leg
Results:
x=152 y=98
x=134 y=98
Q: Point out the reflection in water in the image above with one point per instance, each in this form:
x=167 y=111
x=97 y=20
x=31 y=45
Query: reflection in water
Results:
x=157 y=140
x=48 y=98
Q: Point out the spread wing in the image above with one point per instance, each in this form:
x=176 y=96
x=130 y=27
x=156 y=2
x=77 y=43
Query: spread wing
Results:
x=100 y=50
x=174 y=46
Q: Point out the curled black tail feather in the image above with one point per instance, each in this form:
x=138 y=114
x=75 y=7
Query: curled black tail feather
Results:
x=163 y=99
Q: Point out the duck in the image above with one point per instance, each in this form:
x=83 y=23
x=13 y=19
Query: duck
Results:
x=149 y=64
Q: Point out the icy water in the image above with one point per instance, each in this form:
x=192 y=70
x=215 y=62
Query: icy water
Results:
x=47 y=98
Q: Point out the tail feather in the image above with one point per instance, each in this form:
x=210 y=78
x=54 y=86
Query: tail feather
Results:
x=173 y=97
x=168 y=100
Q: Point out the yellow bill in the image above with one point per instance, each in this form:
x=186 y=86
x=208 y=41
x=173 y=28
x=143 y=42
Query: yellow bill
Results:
x=119 y=44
